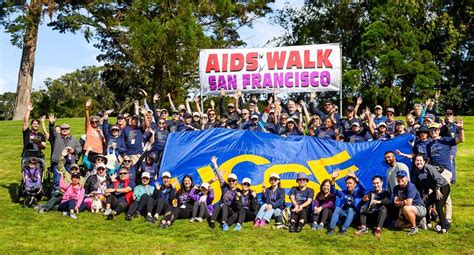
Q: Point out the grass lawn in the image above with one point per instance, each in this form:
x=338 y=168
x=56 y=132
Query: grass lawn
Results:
x=25 y=231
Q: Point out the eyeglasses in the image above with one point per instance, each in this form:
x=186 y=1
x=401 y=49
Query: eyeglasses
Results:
x=64 y=129
x=145 y=178
x=95 y=121
x=212 y=114
x=101 y=169
x=231 y=180
x=161 y=123
x=123 y=173
x=273 y=179
x=246 y=184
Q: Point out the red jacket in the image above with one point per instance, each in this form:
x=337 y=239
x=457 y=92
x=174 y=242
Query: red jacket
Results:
x=129 y=195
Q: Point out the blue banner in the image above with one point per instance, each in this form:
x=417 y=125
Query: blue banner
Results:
x=256 y=155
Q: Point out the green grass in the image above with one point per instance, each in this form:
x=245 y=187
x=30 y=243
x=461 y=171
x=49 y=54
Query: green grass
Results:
x=25 y=231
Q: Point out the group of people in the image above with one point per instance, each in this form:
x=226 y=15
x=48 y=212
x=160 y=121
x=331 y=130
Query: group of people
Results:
x=120 y=167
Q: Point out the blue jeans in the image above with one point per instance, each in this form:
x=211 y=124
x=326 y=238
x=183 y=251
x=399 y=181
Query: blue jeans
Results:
x=454 y=151
x=267 y=215
x=338 y=213
x=56 y=175
x=70 y=205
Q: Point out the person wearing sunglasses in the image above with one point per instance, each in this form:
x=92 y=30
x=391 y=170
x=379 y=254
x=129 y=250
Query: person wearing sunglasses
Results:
x=94 y=135
x=212 y=122
x=233 y=111
x=273 y=199
x=119 y=195
x=329 y=108
x=301 y=197
x=228 y=205
x=245 y=119
x=96 y=183
x=248 y=204
x=141 y=194
x=452 y=130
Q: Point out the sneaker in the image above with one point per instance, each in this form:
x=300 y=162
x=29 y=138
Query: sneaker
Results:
x=320 y=226
x=237 y=227
x=330 y=231
x=292 y=227
x=361 y=231
x=64 y=213
x=148 y=218
x=448 y=226
x=342 y=232
x=41 y=210
x=191 y=220
x=453 y=182
x=212 y=224
x=422 y=224
x=107 y=211
x=225 y=227
x=299 y=228
x=413 y=231
x=136 y=215
x=442 y=231
x=73 y=216
x=314 y=226
x=128 y=217
x=36 y=207
x=429 y=225
x=437 y=228
x=257 y=223
x=378 y=232
x=153 y=220
x=263 y=223
x=198 y=219
x=110 y=217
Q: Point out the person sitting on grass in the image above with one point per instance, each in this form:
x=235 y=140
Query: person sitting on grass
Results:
x=273 y=200
x=347 y=201
x=164 y=196
x=202 y=208
x=301 y=197
x=141 y=194
x=323 y=205
x=119 y=195
x=376 y=206
x=411 y=207
x=73 y=198
x=185 y=203
x=248 y=205
x=228 y=204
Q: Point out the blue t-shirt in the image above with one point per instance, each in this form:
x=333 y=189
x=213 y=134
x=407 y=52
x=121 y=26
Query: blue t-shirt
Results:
x=160 y=140
x=133 y=140
x=439 y=152
x=327 y=133
x=409 y=191
x=420 y=146
x=380 y=120
x=301 y=196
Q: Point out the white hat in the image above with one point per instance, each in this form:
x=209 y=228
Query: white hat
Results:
x=100 y=165
x=146 y=174
x=205 y=185
x=275 y=175
x=196 y=114
x=232 y=176
x=254 y=116
x=166 y=174
x=247 y=180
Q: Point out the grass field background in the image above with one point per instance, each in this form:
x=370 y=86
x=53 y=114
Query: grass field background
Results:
x=25 y=231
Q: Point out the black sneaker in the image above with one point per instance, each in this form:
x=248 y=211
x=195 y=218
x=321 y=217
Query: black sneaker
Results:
x=330 y=231
x=212 y=224
x=110 y=217
x=136 y=215
x=148 y=218
x=453 y=182
x=299 y=227
x=342 y=232
x=292 y=227
x=162 y=225
x=153 y=220
x=128 y=217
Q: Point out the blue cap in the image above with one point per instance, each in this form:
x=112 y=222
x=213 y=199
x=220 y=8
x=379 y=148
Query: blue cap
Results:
x=401 y=173
x=301 y=176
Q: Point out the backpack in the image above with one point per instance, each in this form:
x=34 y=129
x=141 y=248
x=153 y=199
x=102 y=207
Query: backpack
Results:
x=284 y=219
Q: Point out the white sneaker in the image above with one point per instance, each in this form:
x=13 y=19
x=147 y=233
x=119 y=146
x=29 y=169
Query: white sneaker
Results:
x=64 y=213
x=191 y=220
x=107 y=211
x=73 y=216
x=198 y=219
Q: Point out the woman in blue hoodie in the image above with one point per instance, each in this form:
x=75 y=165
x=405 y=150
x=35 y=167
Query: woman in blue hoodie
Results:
x=273 y=200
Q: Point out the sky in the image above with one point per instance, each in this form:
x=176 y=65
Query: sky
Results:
x=58 y=54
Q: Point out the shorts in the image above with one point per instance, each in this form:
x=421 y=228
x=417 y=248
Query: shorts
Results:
x=420 y=211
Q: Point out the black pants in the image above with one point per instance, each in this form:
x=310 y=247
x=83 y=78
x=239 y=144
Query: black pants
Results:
x=381 y=215
x=115 y=204
x=140 y=205
x=324 y=216
x=242 y=216
x=301 y=215
x=55 y=199
x=225 y=211
x=181 y=213
x=200 y=210
x=439 y=205
x=161 y=207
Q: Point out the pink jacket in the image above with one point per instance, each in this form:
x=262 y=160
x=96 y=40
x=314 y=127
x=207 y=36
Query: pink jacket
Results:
x=71 y=192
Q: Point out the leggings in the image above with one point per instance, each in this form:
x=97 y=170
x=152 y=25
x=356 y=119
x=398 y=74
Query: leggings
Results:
x=225 y=211
x=324 y=216
x=242 y=216
x=381 y=214
x=115 y=204
x=439 y=205
x=180 y=213
x=297 y=216
x=200 y=210
x=161 y=207
x=139 y=205
x=69 y=205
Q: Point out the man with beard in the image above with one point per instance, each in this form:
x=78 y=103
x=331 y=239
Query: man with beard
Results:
x=393 y=168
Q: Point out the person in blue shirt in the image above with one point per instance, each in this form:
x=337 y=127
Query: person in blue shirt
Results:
x=357 y=134
x=412 y=209
x=253 y=125
x=347 y=201
x=148 y=166
x=301 y=197
x=327 y=130
x=451 y=129
x=273 y=199
x=329 y=109
x=379 y=115
x=133 y=136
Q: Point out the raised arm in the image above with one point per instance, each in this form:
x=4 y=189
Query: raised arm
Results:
x=188 y=107
x=197 y=100
x=305 y=110
x=88 y=107
x=26 y=118
x=171 y=102
x=216 y=168
x=460 y=126
x=221 y=102
x=356 y=108
x=43 y=126
x=238 y=106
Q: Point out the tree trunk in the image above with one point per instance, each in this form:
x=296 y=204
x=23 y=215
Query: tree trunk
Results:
x=27 y=64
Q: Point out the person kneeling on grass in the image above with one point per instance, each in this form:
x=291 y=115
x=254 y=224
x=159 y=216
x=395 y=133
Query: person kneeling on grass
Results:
x=347 y=201
x=248 y=205
x=228 y=204
x=73 y=198
x=202 y=208
x=376 y=206
x=141 y=194
x=119 y=195
x=273 y=200
x=408 y=199
x=323 y=205
x=301 y=198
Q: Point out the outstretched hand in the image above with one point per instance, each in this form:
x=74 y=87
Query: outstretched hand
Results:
x=88 y=103
x=29 y=107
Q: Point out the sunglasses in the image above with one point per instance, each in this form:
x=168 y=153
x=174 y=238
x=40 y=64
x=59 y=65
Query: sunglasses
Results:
x=95 y=121
x=245 y=113
x=231 y=180
x=123 y=173
x=246 y=184
x=101 y=169
x=145 y=178
x=302 y=180
x=449 y=114
x=64 y=129
x=127 y=161
x=230 y=107
x=273 y=179
x=99 y=159
x=161 y=123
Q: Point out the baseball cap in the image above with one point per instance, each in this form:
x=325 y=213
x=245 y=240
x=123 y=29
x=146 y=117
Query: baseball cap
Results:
x=64 y=126
x=75 y=175
x=146 y=175
x=381 y=124
x=187 y=115
x=100 y=165
x=120 y=116
x=135 y=116
x=290 y=120
x=401 y=173
x=350 y=108
x=390 y=109
x=232 y=176
x=95 y=118
x=378 y=107
x=164 y=110
x=255 y=116
x=205 y=185
x=399 y=122
x=449 y=111
x=434 y=125
x=430 y=117
x=247 y=180
x=114 y=127
x=166 y=174
x=424 y=129
x=355 y=124
x=74 y=166
x=196 y=114
x=175 y=111
x=181 y=108
x=231 y=105
x=275 y=176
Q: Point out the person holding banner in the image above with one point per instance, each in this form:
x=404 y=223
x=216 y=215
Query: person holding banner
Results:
x=228 y=205
x=233 y=110
x=347 y=201
x=292 y=128
x=327 y=130
x=273 y=200
x=212 y=123
x=323 y=205
x=301 y=197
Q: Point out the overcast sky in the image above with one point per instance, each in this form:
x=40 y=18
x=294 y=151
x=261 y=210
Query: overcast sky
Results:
x=57 y=54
